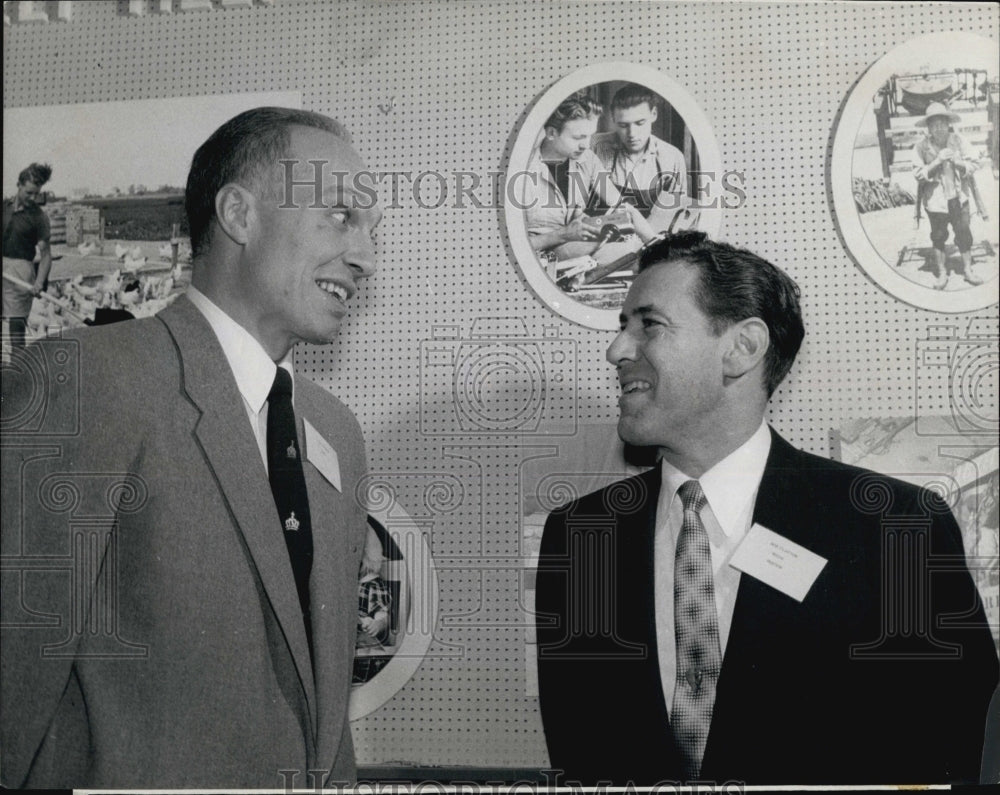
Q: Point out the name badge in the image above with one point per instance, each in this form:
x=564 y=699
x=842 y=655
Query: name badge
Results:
x=778 y=562
x=320 y=453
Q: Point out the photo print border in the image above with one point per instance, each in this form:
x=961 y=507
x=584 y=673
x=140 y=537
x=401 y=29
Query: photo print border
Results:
x=858 y=102
x=710 y=162
x=417 y=626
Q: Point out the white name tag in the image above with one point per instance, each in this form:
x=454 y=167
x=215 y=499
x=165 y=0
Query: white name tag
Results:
x=321 y=455
x=780 y=563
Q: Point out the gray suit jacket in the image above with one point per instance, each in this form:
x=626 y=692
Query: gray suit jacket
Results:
x=152 y=634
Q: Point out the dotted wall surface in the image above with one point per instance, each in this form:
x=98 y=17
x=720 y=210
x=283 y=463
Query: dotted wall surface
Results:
x=441 y=86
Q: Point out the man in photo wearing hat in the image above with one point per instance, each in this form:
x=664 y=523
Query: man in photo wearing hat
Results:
x=943 y=186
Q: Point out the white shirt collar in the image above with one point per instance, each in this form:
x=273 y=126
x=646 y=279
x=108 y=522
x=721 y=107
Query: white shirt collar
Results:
x=732 y=483
x=252 y=367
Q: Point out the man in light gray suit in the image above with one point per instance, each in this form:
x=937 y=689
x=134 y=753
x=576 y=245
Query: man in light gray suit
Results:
x=179 y=568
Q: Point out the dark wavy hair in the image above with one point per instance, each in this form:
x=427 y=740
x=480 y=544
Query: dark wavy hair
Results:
x=37 y=173
x=735 y=284
x=575 y=106
x=632 y=94
x=245 y=150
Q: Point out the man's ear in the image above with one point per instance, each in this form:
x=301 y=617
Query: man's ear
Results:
x=749 y=341
x=234 y=211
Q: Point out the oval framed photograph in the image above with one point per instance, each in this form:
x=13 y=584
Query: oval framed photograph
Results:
x=398 y=580
x=608 y=158
x=913 y=172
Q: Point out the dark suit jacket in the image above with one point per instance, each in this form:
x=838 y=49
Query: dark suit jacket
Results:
x=152 y=631
x=847 y=686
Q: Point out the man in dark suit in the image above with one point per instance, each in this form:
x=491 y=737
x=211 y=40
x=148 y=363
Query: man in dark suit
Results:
x=745 y=611
x=181 y=537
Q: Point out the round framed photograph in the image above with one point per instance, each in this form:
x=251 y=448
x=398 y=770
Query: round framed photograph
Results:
x=914 y=168
x=397 y=608
x=610 y=157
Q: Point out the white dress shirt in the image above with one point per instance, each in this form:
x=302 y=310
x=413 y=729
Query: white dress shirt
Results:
x=730 y=488
x=252 y=367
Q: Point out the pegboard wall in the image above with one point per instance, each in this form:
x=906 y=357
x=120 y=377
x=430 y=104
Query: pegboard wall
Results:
x=440 y=86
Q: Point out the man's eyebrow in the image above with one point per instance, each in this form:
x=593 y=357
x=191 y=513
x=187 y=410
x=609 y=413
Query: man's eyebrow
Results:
x=341 y=186
x=335 y=192
x=645 y=309
x=341 y=195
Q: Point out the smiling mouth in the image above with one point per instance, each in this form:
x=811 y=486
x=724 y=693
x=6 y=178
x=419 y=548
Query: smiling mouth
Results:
x=632 y=387
x=334 y=289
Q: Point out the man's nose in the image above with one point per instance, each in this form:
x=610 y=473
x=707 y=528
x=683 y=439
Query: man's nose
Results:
x=361 y=256
x=621 y=349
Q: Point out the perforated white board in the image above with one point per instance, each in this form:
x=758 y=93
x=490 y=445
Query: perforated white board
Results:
x=441 y=86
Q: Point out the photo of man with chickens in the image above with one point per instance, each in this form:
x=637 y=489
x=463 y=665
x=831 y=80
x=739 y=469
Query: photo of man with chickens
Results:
x=101 y=276
x=27 y=256
x=117 y=232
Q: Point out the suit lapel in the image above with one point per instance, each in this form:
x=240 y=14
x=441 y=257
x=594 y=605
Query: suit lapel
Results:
x=657 y=728
x=230 y=448
x=763 y=617
x=646 y=565
x=780 y=487
x=779 y=508
x=334 y=578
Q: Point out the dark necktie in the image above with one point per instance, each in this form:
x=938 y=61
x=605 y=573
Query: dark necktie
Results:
x=288 y=485
x=696 y=628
